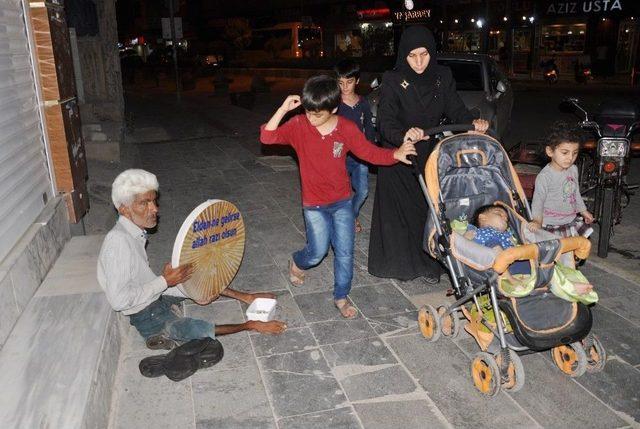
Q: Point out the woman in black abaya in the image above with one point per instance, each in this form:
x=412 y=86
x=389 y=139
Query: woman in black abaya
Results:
x=415 y=96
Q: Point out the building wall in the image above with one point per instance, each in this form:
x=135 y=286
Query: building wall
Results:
x=100 y=68
x=27 y=264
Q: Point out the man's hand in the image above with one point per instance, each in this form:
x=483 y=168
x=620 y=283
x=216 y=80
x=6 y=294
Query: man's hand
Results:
x=174 y=276
x=588 y=217
x=408 y=148
x=271 y=327
x=481 y=125
x=414 y=134
x=290 y=103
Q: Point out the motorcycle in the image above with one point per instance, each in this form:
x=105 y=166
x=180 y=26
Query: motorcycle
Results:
x=583 y=73
x=604 y=164
x=549 y=70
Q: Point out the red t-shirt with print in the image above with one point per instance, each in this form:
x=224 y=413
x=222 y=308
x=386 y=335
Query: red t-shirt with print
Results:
x=323 y=170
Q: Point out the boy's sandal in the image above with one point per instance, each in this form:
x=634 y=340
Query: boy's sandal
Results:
x=358 y=226
x=347 y=310
x=296 y=276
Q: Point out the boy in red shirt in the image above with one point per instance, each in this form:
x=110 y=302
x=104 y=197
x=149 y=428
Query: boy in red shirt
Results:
x=322 y=140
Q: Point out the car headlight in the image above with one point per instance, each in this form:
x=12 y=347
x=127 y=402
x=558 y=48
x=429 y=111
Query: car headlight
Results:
x=613 y=147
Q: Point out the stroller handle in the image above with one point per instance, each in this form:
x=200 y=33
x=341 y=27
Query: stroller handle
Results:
x=579 y=245
x=454 y=128
x=508 y=256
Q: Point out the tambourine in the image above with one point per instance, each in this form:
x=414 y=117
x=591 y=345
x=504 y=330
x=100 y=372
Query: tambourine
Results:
x=212 y=240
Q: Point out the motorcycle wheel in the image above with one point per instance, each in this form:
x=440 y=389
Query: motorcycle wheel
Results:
x=588 y=181
x=606 y=222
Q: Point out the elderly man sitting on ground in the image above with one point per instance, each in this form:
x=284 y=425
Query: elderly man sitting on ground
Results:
x=132 y=288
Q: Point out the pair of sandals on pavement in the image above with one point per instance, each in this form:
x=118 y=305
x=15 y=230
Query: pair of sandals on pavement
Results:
x=184 y=360
x=296 y=277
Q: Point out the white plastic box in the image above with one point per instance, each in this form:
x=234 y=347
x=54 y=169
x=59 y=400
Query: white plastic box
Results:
x=262 y=309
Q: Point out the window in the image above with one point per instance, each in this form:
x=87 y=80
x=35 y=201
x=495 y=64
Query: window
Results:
x=562 y=38
x=467 y=74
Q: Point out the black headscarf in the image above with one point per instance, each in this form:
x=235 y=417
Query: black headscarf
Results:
x=412 y=38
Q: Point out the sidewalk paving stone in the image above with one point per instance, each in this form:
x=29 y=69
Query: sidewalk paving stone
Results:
x=342 y=418
x=152 y=402
x=380 y=299
x=337 y=331
x=234 y=398
x=387 y=415
x=301 y=383
x=292 y=340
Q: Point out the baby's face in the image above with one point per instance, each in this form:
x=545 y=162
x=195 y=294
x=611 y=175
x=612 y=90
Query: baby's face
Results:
x=495 y=218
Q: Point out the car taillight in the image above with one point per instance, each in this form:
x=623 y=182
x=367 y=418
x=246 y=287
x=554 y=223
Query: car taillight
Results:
x=609 y=167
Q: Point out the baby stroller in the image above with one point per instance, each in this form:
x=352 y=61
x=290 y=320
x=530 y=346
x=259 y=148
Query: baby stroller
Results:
x=463 y=173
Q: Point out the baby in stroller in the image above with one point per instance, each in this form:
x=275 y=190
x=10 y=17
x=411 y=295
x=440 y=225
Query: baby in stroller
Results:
x=490 y=227
x=469 y=176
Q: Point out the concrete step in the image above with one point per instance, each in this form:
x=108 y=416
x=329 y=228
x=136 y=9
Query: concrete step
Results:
x=58 y=365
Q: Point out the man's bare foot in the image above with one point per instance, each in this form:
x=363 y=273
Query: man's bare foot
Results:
x=270 y=327
x=582 y=288
x=253 y=296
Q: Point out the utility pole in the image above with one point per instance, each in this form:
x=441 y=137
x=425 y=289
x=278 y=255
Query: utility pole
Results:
x=174 y=49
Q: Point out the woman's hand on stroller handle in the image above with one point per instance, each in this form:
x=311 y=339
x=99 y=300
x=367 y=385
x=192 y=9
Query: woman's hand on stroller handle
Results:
x=406 y=153
x=481 y=125
x=414 y=134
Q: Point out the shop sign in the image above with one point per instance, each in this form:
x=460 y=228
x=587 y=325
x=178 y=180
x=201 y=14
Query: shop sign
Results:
x=412 y=15
x=583 y=7
x=374 y=13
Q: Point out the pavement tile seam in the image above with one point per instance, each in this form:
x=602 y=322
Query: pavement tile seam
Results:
x=344 y=391
x=262 y=381
x=432 y=405
x=622 y=415
x=320 y=411
x=617 y=312
x=193 y=402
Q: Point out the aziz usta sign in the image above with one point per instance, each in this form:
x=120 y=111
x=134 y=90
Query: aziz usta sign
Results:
x=582 y=7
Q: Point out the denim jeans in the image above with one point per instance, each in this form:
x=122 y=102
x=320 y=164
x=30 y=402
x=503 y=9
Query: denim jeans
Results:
x=158 y=318
x=331 y=224
x=359 y=173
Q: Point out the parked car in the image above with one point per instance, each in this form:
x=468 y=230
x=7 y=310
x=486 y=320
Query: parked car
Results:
x=483 y=87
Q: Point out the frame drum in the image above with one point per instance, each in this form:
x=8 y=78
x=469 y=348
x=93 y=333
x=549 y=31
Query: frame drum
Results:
x=212 y=239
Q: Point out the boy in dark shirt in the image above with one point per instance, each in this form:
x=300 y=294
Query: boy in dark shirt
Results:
x=355 y=108
x=322 y=140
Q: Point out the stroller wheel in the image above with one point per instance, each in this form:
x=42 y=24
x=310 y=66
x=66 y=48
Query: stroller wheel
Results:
x=449 y=324
x=512 y=373
x=485 y=374
x=570 y=358
x=596 y=354
x=429 y=323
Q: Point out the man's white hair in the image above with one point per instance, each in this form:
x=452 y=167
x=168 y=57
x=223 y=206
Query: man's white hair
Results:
x=130 y=183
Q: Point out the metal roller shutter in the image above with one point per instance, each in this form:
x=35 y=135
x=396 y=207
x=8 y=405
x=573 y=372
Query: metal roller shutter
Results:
x=25 y=182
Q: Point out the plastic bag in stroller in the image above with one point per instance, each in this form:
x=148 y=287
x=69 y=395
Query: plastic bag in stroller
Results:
x=463 y=173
